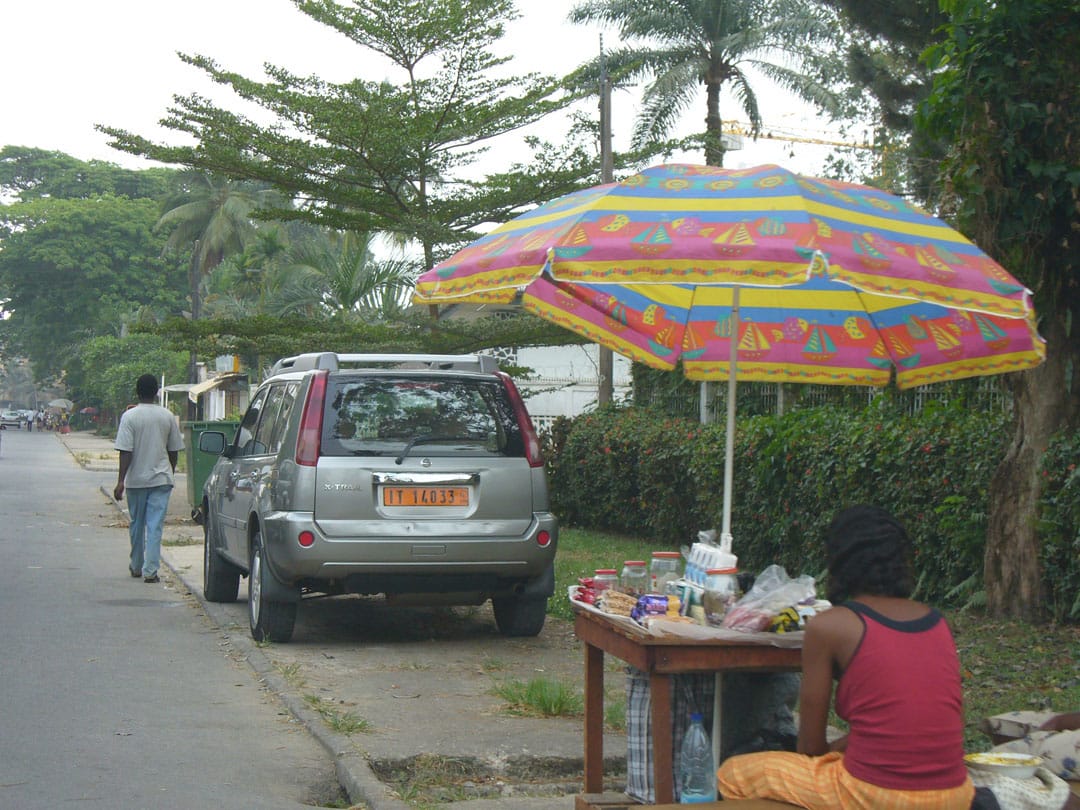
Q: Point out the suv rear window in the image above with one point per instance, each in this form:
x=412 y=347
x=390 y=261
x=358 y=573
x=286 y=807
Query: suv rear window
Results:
x=385 y=415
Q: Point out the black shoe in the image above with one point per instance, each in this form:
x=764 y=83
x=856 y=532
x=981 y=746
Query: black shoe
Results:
x=135 y=573
x=152 y=578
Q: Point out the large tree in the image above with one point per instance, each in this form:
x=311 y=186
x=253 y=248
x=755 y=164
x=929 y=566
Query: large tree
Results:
x=680 y=46
x=103 y=370
x=886 y=82
x=27 y=173
x=1004 y=96
x=72 y=269
x=397 y=156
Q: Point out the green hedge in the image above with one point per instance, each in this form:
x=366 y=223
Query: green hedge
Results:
x=630 y=471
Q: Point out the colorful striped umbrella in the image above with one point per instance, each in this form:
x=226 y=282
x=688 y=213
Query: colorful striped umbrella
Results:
x=755 y=274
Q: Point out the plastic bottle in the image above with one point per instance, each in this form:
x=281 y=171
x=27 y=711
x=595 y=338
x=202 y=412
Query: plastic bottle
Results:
x=697 y=777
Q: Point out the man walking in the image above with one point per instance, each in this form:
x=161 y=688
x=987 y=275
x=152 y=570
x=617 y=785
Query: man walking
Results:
x=149 y=442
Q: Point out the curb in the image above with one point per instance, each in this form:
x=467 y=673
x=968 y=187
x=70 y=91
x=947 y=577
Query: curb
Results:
x=354 y=775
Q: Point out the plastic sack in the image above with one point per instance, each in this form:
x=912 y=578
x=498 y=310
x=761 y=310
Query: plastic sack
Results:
x=772 y=591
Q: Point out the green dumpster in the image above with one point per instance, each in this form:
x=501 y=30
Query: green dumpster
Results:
x=199 y=464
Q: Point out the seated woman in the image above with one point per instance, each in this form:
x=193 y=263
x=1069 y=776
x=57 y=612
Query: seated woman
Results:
x=898 y=688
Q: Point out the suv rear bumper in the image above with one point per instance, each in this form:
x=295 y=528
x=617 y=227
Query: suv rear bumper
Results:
x=484 y=565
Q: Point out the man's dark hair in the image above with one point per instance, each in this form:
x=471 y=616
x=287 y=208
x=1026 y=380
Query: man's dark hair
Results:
x=866 y=549
x=146 y=387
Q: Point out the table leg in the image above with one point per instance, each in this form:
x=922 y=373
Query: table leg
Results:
x=718 y=721
x=660 y=700
x=594 y=719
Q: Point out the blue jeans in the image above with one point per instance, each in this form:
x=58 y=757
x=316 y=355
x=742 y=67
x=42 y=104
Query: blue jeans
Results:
x=147 y=506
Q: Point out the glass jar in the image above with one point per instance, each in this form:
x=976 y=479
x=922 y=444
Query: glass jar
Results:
x=605 y=578
x=635 y=578
x=721 y=592
x=663 y=568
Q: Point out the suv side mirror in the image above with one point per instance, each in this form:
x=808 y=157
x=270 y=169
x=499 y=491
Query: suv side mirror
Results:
x=212 y=442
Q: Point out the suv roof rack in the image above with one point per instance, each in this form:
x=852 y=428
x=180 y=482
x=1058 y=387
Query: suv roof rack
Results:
x=333 y=361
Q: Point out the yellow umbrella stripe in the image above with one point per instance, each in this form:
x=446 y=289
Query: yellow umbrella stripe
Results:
x=840 y=299
x=749 y=371
x=681 y=271
x=748 y=208
x=591 y=331
x=502 y=283
x=971 y=367
x=887 y=290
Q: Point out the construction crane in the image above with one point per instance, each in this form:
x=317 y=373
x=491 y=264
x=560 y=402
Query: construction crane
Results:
x=741 y=129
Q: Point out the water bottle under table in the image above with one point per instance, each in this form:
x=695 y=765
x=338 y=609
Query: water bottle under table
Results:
x=697 y=777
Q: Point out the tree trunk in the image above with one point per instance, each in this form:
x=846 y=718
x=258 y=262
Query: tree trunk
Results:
x=714 y=126
x=1043 y=404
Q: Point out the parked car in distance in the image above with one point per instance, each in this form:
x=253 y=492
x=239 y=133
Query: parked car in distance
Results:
x=10 y=418
x=414 y=476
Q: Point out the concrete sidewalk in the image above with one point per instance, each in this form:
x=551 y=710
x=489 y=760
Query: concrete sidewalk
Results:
x=419 y=681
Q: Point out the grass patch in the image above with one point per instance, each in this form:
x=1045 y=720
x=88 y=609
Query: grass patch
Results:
x=343 y=722
x=615 y=710
x=183 y=541
x=291 y=673
x=1011 y=665
x=427 y=774
x=540 y=697
x=582 y=551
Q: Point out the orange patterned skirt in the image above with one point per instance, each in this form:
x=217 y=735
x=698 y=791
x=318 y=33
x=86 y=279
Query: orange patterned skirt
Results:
x=822 y=783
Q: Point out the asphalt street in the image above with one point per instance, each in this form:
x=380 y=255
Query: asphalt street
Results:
x=421 y=681
x=117 y=693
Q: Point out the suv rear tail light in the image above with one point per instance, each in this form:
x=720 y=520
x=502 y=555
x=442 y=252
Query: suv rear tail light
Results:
x=525 y=425
x=307 y=442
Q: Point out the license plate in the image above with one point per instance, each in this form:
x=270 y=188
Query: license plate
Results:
x=425 y=496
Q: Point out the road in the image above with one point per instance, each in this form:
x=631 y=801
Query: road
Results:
x=115 y=693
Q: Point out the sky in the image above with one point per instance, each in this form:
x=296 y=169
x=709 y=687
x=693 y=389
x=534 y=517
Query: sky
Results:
x=71 y=64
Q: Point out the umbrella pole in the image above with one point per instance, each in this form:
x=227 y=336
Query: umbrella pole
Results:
x=729 y=430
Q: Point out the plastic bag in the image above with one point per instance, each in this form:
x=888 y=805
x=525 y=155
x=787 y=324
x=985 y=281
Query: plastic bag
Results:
x=772 y=591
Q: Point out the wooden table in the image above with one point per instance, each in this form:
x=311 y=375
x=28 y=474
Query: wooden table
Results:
x=661 y=657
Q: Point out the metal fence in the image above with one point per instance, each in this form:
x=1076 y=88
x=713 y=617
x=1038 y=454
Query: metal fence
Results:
x=684 y=398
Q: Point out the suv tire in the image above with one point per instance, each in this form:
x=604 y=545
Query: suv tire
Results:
x=520 y=616
x=270 y=621
x=221 y=579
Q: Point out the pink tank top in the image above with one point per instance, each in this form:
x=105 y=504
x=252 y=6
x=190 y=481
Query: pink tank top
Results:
x=901 y=697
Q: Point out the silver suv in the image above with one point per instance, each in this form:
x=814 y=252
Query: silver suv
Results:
x=405 y=475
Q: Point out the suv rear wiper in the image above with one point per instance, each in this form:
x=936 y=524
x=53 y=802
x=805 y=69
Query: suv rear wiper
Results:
x=429 y=439
x=412 y=443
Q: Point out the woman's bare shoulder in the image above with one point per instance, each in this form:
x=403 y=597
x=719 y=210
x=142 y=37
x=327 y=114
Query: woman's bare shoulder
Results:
x=837 y=620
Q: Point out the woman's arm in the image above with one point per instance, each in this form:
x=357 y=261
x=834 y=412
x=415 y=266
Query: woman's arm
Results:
x=1062 y=722
x=815 y=694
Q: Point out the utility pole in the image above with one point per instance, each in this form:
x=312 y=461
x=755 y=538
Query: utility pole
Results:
x=194 y=277
x=606 y=363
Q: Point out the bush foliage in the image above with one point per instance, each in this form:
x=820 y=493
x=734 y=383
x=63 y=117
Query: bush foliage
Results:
x=633 y=471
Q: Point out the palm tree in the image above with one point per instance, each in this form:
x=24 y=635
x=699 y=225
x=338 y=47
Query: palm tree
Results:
x=319 y=274
x=340 y=275
x=212 y=217
x=720 y=44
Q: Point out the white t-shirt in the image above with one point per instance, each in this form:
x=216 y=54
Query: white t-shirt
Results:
x=148 y=431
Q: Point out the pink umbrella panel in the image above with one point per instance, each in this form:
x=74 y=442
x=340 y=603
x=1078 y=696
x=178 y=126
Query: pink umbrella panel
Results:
x=821 y=332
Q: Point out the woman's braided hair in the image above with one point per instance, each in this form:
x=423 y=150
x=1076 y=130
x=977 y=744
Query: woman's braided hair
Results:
x=866 y=549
